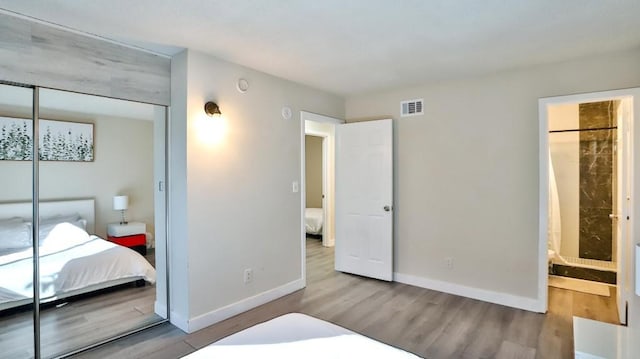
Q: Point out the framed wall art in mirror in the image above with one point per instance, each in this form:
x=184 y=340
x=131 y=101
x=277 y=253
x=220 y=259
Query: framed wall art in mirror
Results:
x=58 y=140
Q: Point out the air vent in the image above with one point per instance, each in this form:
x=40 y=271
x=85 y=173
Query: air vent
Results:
x=411 y=107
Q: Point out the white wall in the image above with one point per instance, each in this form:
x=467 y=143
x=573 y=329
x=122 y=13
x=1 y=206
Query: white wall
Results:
x=313 y=171
x=565 y=154
x=466 y=175
x=123 y=164
x=237 y=199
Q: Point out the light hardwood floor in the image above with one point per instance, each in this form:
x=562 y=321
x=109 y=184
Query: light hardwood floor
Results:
x=79 y=322
x=425 y=322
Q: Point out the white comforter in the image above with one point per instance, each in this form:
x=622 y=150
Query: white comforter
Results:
x=313 y=220
x=70 y=259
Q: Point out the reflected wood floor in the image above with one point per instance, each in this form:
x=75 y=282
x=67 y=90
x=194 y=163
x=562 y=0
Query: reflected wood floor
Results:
x=428 y=323
x=79 y=322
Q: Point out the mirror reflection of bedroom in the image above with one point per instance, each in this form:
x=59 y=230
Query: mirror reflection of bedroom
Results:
x=100 y=249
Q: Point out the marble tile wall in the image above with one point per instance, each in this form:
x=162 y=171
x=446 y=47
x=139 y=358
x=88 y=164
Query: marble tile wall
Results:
x=597 y=157
x=584 y=273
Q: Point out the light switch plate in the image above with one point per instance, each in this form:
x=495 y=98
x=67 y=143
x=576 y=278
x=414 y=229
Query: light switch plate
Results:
x=295 y=187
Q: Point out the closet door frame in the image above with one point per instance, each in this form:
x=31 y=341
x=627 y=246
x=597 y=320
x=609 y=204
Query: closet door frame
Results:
x=35 y=222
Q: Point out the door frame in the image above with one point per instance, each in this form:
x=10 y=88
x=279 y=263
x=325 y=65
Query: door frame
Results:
x=161 y=207
x=625 y=245
x=328 y=200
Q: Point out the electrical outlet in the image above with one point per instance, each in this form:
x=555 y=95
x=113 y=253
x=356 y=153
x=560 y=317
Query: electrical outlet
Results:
x=449 y=262
x=248 y=275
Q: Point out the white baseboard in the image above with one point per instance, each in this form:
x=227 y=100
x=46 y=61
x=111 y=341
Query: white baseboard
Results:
x=179 y=321
x=207 y=319
x=160 y=309
x=509 y=300
x=329 y=242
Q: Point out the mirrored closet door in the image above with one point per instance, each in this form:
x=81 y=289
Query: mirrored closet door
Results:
x=16 y=250
x=101 y=231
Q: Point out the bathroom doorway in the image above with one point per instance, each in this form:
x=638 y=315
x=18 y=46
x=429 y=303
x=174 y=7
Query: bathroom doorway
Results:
x=587 y=200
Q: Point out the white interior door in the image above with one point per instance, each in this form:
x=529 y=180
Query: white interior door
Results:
x=364 y=199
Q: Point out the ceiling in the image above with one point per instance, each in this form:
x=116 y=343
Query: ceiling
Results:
x=357 y=46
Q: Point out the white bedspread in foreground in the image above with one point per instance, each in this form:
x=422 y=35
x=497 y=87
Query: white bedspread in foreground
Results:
x=297 y=335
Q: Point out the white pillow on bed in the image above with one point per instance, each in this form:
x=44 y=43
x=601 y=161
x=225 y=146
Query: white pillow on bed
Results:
x=46 y=227
x=14 y=234
x=47 y=224
x=62 y=236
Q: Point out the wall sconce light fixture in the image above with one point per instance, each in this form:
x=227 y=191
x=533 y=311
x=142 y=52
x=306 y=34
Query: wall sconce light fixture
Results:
x=212 y=109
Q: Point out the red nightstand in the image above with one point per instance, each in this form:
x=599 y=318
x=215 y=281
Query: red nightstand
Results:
x=132 y=235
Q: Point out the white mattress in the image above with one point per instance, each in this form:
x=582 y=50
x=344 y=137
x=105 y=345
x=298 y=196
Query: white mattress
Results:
x=70 y=259
x=297 y=335
x=313 y=220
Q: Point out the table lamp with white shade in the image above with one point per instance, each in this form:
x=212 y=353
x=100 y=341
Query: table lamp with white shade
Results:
x=121 y=203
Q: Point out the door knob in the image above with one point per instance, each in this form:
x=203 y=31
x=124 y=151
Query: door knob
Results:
x=387 y=208
x=613 y=216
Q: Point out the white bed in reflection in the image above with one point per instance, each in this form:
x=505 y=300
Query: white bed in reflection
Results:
x=298 y=335
x=72 y=261
x=313 y=220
